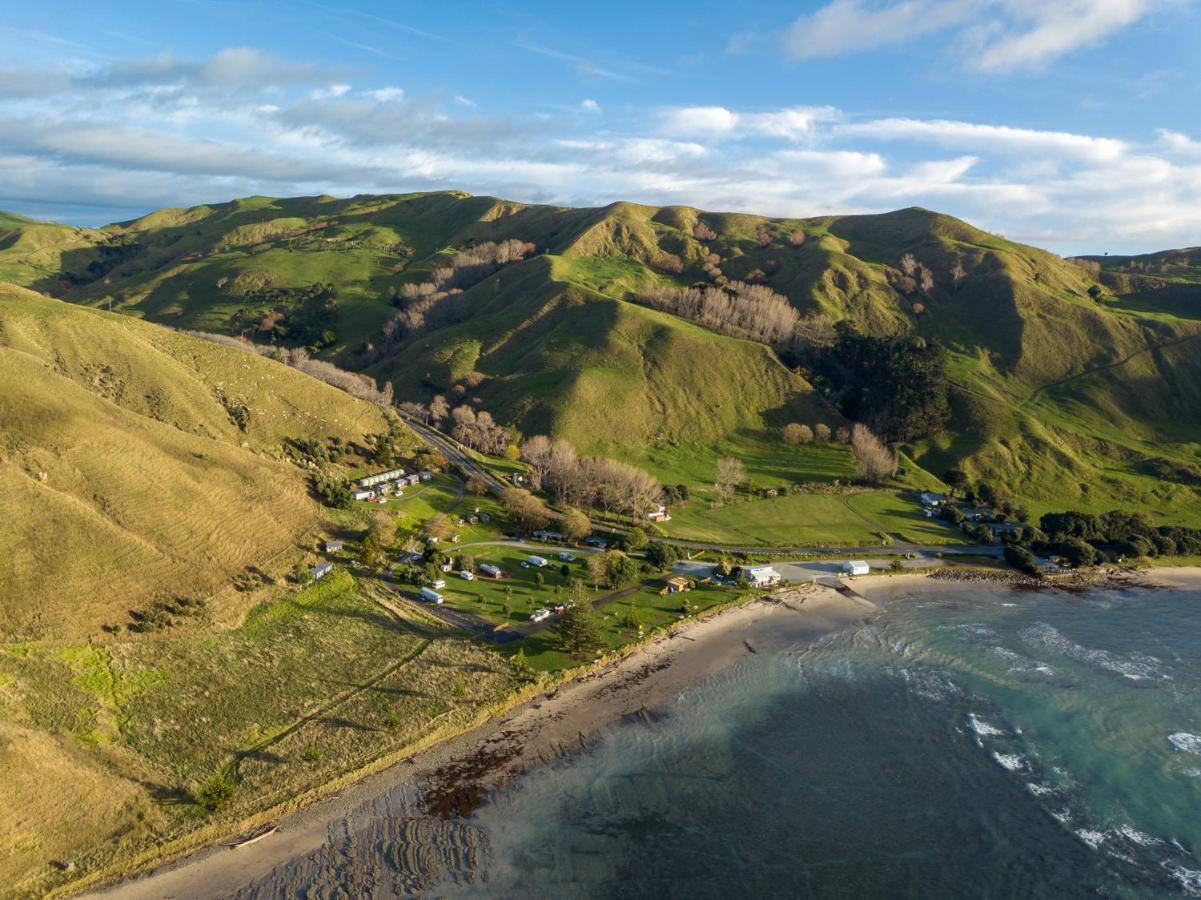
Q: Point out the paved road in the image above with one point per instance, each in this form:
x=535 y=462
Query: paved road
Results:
x=454 y=452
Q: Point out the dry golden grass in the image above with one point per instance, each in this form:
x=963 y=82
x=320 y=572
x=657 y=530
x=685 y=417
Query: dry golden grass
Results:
x=123 y=477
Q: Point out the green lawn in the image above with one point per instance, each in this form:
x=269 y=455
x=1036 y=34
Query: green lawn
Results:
x=652 y=611
x=901 y=515
x=486 y=597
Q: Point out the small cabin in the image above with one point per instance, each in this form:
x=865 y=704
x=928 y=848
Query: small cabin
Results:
x=856 y=567
x=332 y=546
x=320 y=570
x=677 y=585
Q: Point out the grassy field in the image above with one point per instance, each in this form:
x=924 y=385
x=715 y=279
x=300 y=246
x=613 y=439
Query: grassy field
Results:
x=124 y=477
x=650 y=609
x=813 y=520
x=104 y=744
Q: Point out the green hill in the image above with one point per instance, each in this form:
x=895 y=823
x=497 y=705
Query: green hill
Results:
x=1073 y=380
x=124 y=478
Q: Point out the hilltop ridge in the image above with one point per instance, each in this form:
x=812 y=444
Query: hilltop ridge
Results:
x=1070 y=378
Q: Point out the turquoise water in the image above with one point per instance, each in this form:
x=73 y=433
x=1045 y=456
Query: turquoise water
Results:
x=962 y=744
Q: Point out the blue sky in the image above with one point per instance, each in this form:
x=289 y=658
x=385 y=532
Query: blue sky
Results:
x=1071 y=125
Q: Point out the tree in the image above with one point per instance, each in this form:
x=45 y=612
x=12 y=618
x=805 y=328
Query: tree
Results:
x=731 y=474
x=575 y=524
x=843 y=435
x=1022 y=560
x=1095 y=293
x=216 y=792
x=821 y=432
x=955 y=479
x=637 y=539
x=578 y=629
x=370 y=552
x=438 y=410
x=660 y=555
x=797 y=238
x=796 y=434
x=524 y=509
x=331 y=490
x=438 y=526
x=536 y=451
x=521 y=665
x=1077 y=552
x=874 y=462
x=477 y=484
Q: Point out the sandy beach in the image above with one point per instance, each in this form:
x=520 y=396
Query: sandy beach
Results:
x=456 y=776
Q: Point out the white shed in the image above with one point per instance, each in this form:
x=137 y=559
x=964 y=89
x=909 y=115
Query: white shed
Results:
x=856 y=567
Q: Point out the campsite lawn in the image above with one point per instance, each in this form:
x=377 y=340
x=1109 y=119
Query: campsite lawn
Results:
x=809 y=520
x=793 y=520
x=651 y=610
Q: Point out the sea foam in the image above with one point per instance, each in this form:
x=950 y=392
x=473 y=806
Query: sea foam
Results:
x=1185 y=742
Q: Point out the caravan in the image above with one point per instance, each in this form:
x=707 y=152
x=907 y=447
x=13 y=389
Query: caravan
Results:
x=429 y=595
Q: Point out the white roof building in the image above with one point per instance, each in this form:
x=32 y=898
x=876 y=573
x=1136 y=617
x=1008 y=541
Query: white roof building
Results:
x=760 y=576
x=856 y=567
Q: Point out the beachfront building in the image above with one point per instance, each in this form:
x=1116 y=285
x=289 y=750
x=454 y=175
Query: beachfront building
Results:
x=856 y=567
x=759 y=576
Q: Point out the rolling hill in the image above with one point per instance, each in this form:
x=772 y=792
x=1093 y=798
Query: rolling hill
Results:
x=1074 y=382
x=139 y=464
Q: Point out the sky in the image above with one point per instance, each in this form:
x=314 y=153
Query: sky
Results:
x=1069 y=124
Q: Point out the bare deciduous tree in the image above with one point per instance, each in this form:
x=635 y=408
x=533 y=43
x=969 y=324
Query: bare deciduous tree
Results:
x=874 y=462
x=821 y=431
x=746 y=310
x=796 y=434
x=731 y=473
x=703 y=232
x=909 y=264
x=439 y=409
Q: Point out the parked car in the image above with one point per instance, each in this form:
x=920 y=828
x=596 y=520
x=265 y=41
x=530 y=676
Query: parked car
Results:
x=567 y=557
x=598 y=543
x=467 y=576
x=540 y=614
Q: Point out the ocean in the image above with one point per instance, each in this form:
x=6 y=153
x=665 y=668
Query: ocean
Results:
x=966 y=742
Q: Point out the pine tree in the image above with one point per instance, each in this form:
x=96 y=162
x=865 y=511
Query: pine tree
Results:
x=579 y=629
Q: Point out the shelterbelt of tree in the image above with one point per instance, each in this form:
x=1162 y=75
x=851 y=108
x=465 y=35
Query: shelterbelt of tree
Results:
x=671 y=336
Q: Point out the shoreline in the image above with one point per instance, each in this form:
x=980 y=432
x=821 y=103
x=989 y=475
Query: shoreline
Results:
x=456 y=775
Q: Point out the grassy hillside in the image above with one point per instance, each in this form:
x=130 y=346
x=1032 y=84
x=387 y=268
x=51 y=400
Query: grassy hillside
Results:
x=1063 y=395
x=123 y=476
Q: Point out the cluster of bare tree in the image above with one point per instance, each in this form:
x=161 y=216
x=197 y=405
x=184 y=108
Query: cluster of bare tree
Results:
x=737 y=308
x=353 y=383
x=479 y=430
x=591 y=481
x=874 y=462
x=468 y=267
x=703 y=232
x=796 y=433
x=916 y=275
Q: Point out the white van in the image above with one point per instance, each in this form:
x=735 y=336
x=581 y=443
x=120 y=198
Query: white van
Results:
x=540 y=614
x=467 y=576
x=429 y=595
x=537 y=561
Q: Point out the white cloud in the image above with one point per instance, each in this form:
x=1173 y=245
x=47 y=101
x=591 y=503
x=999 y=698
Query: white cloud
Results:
x=590 y=105
x=997 y=138
x=792 y=123
x=991 y=35
x=167 y=131
x=388 y=94
x=332 y=90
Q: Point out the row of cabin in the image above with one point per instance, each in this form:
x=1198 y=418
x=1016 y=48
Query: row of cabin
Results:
x=384 y=482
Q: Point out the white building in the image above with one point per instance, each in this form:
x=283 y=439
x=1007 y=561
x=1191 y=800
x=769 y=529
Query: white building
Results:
x=855 y=567
x=320 y=570
x=760 y=576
